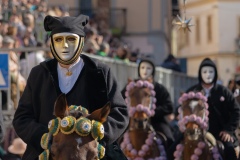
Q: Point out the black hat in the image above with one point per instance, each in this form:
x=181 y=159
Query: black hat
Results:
x=66 y=24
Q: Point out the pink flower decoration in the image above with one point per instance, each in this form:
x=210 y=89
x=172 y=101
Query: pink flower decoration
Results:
x=180 y=147
x=177 y=154
x=201 y=145
x=129 y=146
x=139 y=83
x=146 y=83
x=141 y=153
x=134 y=152
x=198 y=151
x=194 y=157
x=153 y=93
x=216 y=156
x=151 y=86
x=145 y=148
x=222 y=99
x=191 y=95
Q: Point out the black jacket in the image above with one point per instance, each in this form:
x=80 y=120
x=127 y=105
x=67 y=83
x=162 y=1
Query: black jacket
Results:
x=94 y=87
x=224 y=111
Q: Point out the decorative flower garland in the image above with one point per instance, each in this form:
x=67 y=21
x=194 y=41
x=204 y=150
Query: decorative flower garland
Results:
x=82 y=126
x=197 y=152
x=201 y=121
x=192 y=95
x=150 y=111
x=126 y=144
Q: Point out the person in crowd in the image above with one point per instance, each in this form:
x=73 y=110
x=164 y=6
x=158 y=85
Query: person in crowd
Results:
x=15 y=150
x=93 y=41
x=232 y=85
x=104 y=49
x=171 y=63
x=84 y=81
x=3 y=27
x=18 y=82
x=164 y=106
x=134 y=57
x=224 y=111
x=30 y=60
x=122 y=53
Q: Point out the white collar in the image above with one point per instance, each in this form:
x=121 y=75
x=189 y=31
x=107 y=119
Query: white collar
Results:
x=207 y=90
x=66 y=81
x=71 y=67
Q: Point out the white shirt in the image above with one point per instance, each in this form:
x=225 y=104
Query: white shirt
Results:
x=66 y=83
x=207 y=91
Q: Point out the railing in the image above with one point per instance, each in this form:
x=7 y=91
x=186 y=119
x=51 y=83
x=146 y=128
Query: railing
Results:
x=174 y=82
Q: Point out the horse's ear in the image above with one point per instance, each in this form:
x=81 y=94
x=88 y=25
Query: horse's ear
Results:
x=129 y=80
x=101 y=114
x=181 y=93
x=150 y=79
x=203 y=92
x=61 y=106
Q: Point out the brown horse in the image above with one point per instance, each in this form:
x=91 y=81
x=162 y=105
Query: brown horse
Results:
x=141 y=141
x=74 y=134
x=197 y=143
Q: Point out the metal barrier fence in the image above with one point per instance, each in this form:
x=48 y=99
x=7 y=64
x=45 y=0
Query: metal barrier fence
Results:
x=174 y=82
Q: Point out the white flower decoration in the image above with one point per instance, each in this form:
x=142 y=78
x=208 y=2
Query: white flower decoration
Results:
x=222 y=99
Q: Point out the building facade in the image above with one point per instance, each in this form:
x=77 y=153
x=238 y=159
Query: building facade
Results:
x=215 y=35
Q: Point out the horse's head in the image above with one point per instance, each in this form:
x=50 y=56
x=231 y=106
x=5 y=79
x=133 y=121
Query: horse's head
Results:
x=141 y=103
x=193 y=114
x=75 y=132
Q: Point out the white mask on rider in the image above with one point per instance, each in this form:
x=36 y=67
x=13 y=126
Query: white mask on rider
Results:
x=208 y=74
x=66 y=44
x=145 y=70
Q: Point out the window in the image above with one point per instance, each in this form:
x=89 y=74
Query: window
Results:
x=197 y=31
x=209 y=28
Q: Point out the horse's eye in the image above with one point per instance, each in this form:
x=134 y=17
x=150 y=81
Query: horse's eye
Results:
x=201 y=107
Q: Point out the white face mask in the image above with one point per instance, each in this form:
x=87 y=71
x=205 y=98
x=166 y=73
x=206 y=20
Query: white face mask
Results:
x=66 y=44
x=208 y=74
x=145 y=70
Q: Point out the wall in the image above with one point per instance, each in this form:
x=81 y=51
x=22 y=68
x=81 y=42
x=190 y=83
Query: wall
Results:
x=148 y=26
x=225 y=18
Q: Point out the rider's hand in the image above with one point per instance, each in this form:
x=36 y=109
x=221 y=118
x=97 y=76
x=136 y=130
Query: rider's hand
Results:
x=225 y=136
